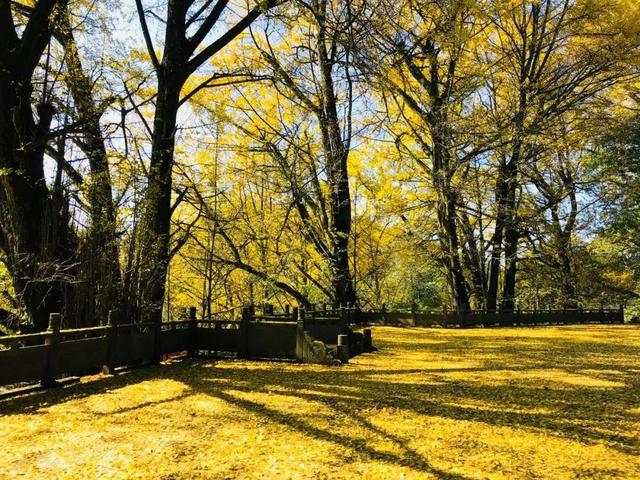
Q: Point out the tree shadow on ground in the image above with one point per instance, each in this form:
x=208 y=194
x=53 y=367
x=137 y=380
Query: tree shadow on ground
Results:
x=578 y=389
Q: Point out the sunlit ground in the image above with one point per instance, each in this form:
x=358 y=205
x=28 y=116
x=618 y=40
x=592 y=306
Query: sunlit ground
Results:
x=486 y=403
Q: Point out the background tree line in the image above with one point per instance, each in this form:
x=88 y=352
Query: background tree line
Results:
x=459 y=154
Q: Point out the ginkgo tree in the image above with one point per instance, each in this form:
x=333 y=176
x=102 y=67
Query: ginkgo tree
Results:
x=300 y=124
x=189 y=26
x=462 y=154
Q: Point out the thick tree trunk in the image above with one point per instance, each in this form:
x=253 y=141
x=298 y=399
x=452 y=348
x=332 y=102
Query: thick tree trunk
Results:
x=505 y=239
x=512 y=233
x=562 y=243
x=449 y=242
x=38 y=243
x=182 y=55
x=511 y=223
x=157 y=215
x=473 y=262
x=507 y=302
x=340 y=201
x=568 y=278
x=35 y=235
x=342 y=282
x=446 y=208
x=336 y=151
x=497 y=240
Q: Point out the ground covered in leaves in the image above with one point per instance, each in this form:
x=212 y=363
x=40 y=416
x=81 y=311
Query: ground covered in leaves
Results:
x=432 y=403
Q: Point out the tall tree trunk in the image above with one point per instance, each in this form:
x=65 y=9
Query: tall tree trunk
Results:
x=157 y=215
x=497 y=239
x=508 y=300
x=36 y=238
x=336 y=151
x=342 y=281
x=447 y=201
x=562 y=243
x=156 y=218
x=474 y=263
x=449 y=241
x=512 y=233
x=101 y=245
x=182 y=56
x=38 y=242
x=568 y=278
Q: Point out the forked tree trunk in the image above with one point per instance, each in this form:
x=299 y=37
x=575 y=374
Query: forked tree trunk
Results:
x=336 y=151
x=447 y=200
x=181 y=57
